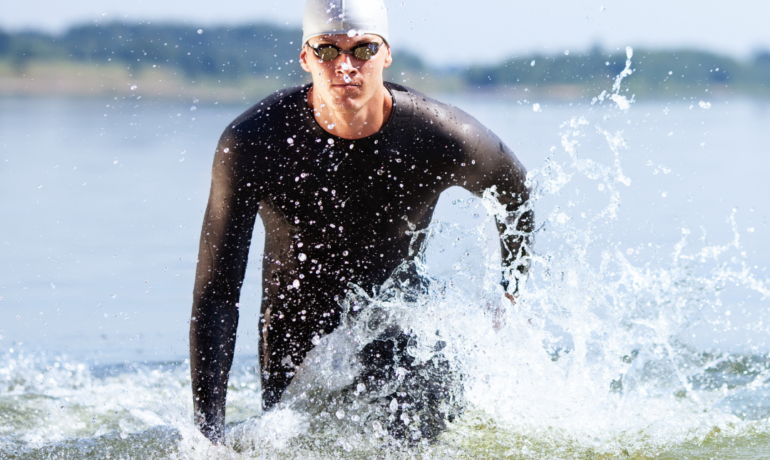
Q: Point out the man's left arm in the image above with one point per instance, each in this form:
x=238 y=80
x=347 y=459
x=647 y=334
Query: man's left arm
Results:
x=492 y=164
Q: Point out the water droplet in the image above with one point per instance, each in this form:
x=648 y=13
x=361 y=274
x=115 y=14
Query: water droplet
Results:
x=290 y=141
x=295 y=284
x=704 y=105
x=532 y=63
x=331 y=126
x=193 y=108
x=226 y=150
x=347 y=78
x=352 y=33
x=331 y=141
x=302 y=257
x=133 y=87
x=200 y=31
x=536 y=107
x=345 y=253
x=393 y=405
x=566 y=52
x=340 y=414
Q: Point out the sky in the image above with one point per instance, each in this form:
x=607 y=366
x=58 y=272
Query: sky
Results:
x=444 y=32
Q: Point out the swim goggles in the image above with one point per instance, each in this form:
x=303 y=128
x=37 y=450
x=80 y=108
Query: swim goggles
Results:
x=327 y=52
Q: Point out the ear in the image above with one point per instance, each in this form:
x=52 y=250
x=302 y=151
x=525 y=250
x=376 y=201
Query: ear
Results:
x=303 y=56
x=388 y=58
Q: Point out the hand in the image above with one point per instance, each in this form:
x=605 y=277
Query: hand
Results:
x=498 y=313
x=214 y=431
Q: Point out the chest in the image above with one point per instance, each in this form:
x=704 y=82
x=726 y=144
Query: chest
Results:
x=328 y=183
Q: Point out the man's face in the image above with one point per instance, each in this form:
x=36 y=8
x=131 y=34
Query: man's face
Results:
x=364 y=78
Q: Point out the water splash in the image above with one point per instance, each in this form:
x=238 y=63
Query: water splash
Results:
x=595 y=359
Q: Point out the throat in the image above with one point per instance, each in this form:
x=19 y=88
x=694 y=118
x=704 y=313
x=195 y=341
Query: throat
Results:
x=336 y=118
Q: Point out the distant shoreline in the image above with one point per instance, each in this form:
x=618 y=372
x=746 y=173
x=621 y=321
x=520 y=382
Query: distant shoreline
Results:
x=248 y=62
x=73 y=80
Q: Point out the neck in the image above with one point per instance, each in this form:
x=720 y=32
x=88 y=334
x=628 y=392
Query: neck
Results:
x=357 y=124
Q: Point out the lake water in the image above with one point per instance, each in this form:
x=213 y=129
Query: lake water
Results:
x=650 y=275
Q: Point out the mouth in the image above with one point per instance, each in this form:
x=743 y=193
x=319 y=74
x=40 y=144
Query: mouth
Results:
x=347 y=85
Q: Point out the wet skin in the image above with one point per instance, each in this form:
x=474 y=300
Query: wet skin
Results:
x=347 y=96
x=336 y=211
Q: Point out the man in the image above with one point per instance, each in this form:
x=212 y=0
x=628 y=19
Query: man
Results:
x=338 y=171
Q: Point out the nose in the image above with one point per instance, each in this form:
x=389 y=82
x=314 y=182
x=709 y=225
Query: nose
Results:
x=345 y=66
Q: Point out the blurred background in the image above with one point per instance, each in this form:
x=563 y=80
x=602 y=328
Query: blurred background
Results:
x=110 y=112
x=227 y=50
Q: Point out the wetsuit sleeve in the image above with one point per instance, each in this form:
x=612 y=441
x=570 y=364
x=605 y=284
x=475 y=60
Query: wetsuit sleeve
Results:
x=492 y=164
x=224 y=245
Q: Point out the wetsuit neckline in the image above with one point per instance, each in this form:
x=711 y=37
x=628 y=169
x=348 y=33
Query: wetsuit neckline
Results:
x=315 y=125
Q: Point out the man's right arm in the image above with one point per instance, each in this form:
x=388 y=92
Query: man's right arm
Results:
x=224 y=246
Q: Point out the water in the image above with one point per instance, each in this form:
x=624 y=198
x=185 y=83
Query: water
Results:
x=641 y=333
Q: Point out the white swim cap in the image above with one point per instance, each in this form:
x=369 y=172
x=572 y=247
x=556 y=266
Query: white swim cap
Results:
x=332 y=17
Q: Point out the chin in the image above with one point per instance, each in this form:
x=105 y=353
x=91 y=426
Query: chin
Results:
x=349 y=102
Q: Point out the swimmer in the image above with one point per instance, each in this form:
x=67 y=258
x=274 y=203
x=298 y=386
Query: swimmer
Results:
x=338 y=170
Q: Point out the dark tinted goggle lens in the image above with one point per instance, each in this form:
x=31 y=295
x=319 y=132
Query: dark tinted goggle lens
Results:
x=327 y=53
x=330 y=52
x=364 y=52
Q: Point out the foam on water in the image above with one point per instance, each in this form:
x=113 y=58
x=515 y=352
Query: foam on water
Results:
x=597 y=357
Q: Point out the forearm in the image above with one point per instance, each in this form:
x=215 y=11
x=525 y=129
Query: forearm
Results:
x=212 y=343
x=516 y=239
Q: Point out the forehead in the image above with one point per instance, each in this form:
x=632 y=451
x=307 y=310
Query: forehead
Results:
x=343 y=40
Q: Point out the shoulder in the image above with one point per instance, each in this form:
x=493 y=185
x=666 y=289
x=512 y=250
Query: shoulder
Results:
x=430 y=115
x=259 y=119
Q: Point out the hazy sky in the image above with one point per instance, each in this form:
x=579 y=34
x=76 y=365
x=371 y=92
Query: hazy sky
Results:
x=474 y=30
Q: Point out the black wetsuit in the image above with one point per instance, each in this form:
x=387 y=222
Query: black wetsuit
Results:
x=336 y=211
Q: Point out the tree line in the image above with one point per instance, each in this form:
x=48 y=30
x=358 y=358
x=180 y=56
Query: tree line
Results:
x=270 y=50
x=654 y=71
